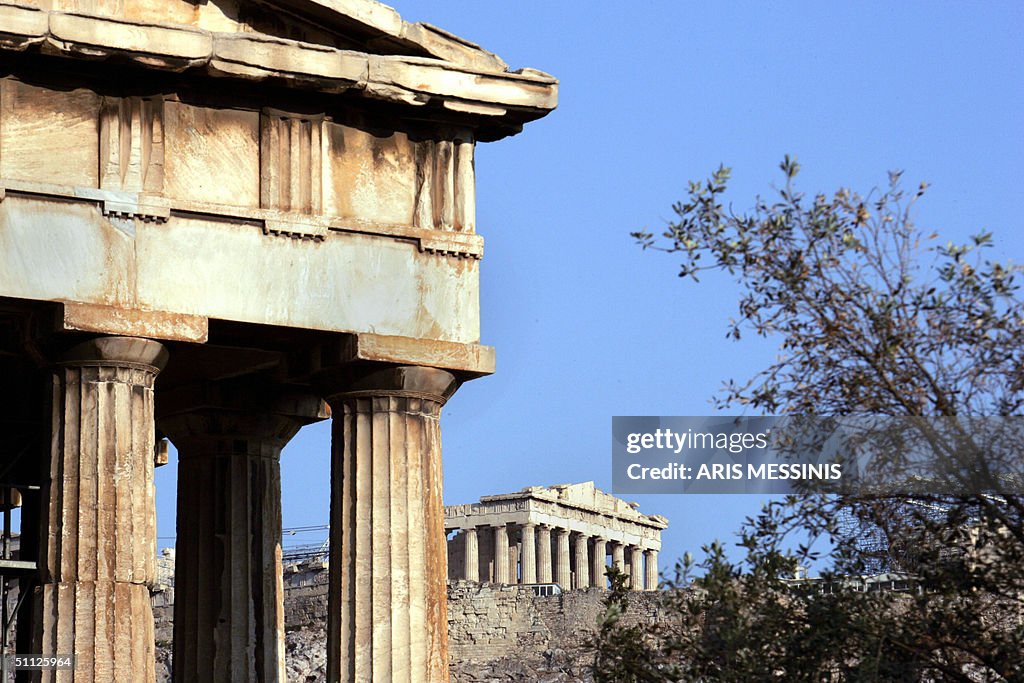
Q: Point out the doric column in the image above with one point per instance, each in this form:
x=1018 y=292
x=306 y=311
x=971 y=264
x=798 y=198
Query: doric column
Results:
x=544 y=554
x=651 y=582
x=472 y=555
x=618 y=556
x=582 y=562
x=98 y=514
x=229 y=592
x=599 y=562
x=513 y=563
x=563 y=574
x=387 y=615
x=636 y=572
x=501 y=573
x=529 y=555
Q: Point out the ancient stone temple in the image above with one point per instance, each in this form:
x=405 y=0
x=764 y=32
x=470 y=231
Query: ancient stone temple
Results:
x=564 y=534
x=221 y=220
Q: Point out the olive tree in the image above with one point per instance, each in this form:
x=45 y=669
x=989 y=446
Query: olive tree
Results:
x=873 y=317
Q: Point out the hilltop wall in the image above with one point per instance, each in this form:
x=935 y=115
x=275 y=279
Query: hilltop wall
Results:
x=496 y=633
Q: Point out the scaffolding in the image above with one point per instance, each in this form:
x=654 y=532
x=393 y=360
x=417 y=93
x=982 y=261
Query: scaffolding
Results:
x=304 y=552
x=13 y=569
x=896 y=549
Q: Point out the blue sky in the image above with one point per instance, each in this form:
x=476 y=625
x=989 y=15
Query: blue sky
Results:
x=654 y=94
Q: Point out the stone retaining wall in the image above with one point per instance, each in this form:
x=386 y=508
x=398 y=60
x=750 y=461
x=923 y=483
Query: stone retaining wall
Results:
x=496 y=633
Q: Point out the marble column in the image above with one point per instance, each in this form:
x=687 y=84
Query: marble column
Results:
x=544 y=554
x=599 y=562
x=582 y=562
x=618 y=556
x=472 y=555
x=98 y=558
x=387 y=613
x=636 y=572
x=563 y=574
x=651 y=582
x=513 y=563
x=229 y=592
x=501 y=573
x=529 y=554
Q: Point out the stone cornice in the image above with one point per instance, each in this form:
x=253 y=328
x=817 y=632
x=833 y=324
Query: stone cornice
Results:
x=384 y=24
x=653 y=521
x=497 y=102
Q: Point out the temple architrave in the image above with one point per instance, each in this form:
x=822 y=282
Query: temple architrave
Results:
x=221 y=220
x=567 y=534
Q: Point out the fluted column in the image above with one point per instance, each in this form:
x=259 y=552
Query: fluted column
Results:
x=636 y=572
x=582 y=562
x=618 y=556
x=544 y=554
x=229 y=592
x=651 y=582
x=501 y=573
x=387 y=612
x=99 y=515
x=563 y=574
x=599 y=562
x=513 y=563
x=529 y=555
x=472 y=555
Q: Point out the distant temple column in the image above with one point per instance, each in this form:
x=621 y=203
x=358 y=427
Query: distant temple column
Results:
x=651 y=582
x=636 y=569
x=563 y=573
x=618 y=556
x=99 y=514
x=501 y=573
x=599 y=562
x=387 y=614
x=544 y=554
x=529 y=554
x=513 y=563
x=472 y=555
x=229 y=592
x=582 y=562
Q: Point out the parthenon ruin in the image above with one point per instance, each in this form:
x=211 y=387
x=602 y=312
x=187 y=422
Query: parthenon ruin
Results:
x=221 y=220
x=560 y=534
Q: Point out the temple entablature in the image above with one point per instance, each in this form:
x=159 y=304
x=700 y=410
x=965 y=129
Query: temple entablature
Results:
x=291 y=153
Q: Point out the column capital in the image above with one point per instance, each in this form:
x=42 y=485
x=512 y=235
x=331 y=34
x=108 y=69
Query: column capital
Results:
x=238 y=409
x=378 y=380
x=133 y=352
